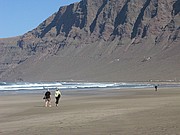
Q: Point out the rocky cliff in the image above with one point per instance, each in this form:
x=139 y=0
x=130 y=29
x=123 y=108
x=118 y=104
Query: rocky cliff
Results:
x=99 y=40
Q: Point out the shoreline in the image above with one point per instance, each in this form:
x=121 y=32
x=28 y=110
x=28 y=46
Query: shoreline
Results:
x=30 y=88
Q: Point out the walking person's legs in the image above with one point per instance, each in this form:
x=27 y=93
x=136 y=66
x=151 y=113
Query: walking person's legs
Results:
x=49 y=102
x=46 y=103
x=57 y=101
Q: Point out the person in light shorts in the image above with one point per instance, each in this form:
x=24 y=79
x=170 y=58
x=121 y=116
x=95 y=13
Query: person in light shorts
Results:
x=47 y=98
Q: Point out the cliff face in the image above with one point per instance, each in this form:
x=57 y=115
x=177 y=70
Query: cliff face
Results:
x=129 y=34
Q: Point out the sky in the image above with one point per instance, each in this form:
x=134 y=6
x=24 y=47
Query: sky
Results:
x=20 y=16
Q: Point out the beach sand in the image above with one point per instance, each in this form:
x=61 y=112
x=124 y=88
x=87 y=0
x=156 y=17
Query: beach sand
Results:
x=95 y=112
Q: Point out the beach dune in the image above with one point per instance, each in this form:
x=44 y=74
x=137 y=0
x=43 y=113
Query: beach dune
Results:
x=95 y=112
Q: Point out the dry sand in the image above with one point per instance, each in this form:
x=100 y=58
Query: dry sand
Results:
x=97 y=112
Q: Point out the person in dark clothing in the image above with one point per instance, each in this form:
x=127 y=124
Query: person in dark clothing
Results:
x=47 y=98
x=155 y=87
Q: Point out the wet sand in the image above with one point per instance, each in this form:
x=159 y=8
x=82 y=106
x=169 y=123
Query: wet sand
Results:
x=96 y=112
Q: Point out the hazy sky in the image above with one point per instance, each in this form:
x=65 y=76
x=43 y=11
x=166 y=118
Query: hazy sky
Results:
x=20 y=16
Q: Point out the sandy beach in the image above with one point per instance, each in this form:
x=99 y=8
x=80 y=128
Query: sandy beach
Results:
x=95 y=112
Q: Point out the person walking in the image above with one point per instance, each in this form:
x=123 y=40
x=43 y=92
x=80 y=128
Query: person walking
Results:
x=57 y=96
x=155 y=87
x=47 y=98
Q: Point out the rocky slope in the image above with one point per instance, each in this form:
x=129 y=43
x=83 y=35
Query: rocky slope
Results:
x=98 y=40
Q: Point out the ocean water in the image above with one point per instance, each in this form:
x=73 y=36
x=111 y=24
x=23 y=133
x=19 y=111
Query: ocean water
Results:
x=39 y=87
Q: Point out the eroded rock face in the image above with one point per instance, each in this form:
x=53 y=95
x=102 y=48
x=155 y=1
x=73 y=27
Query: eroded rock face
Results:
x=123 y=23
x=103 y=19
